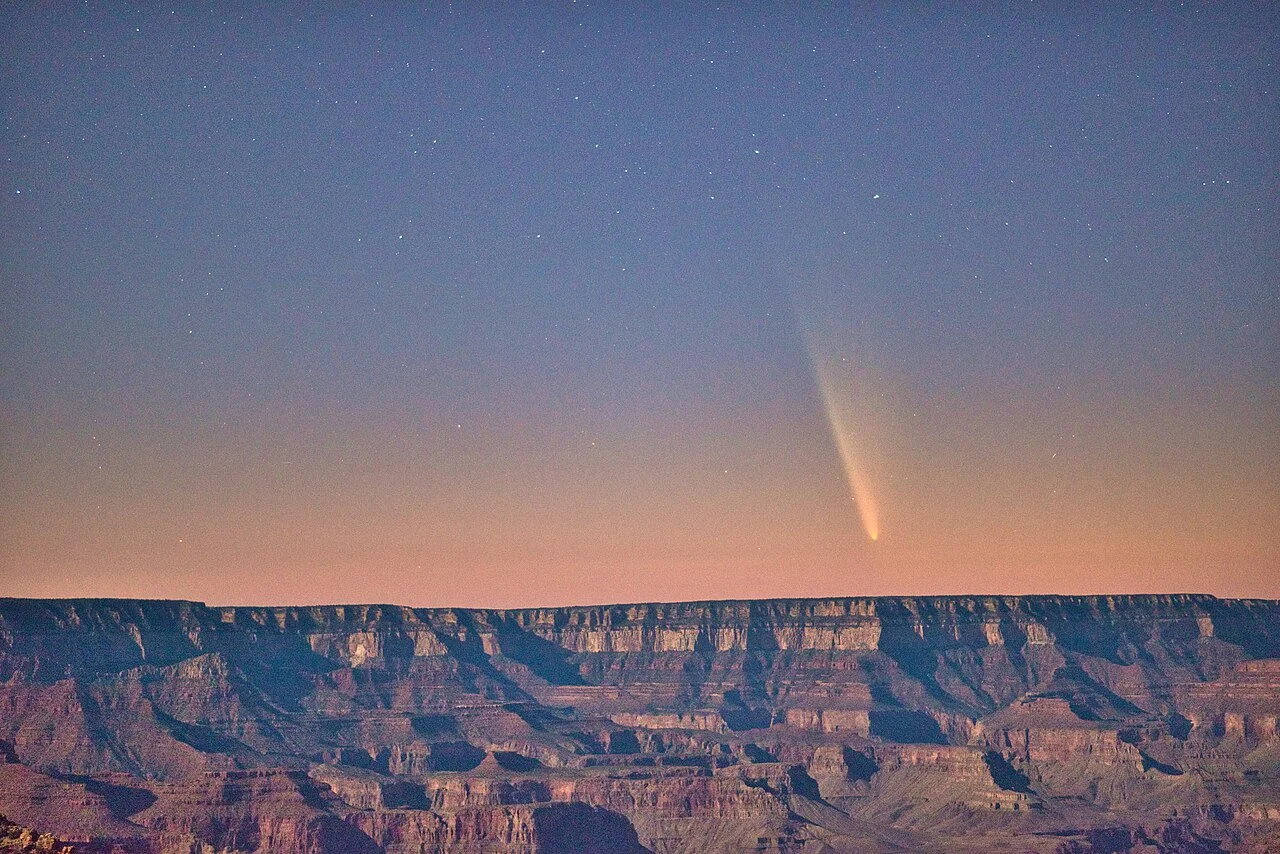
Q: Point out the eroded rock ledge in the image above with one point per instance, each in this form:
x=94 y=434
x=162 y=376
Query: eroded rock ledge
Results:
x=1043 y=723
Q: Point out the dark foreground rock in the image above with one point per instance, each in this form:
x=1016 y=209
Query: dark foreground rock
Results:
x=1055 y=724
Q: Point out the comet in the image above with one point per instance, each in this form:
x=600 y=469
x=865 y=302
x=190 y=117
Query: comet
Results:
x=838 y=403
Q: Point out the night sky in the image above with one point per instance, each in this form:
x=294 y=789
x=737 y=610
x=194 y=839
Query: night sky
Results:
x=604 y=304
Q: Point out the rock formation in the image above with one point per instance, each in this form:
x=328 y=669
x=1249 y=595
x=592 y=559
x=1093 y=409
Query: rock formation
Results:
x=1055 y=724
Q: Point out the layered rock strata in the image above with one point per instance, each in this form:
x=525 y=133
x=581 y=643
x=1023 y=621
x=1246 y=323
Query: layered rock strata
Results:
x=889 y=724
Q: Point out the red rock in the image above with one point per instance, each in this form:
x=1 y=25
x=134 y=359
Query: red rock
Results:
x=832 y=725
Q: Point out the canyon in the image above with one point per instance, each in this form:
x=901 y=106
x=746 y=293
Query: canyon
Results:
x=965 y=723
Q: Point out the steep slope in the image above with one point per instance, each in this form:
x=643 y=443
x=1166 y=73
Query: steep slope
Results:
x=1049 y=723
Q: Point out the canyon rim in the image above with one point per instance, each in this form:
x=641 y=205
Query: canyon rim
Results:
x=1040 y=723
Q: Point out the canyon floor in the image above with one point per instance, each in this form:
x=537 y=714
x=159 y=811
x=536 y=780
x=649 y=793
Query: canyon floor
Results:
x=1045 y=724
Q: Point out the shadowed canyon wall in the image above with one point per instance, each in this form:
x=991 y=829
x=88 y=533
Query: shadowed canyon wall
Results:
x=1048 y=723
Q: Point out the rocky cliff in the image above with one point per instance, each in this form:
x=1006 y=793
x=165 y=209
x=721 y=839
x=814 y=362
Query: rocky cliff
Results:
x=963 y=723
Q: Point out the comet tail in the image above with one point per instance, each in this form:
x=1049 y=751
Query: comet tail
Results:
x=838 y=411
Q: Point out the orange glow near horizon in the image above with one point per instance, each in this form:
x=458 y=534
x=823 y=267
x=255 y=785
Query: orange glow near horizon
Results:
x=983 y=494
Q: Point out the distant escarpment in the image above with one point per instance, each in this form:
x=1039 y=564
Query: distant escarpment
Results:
x=1040 y=723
